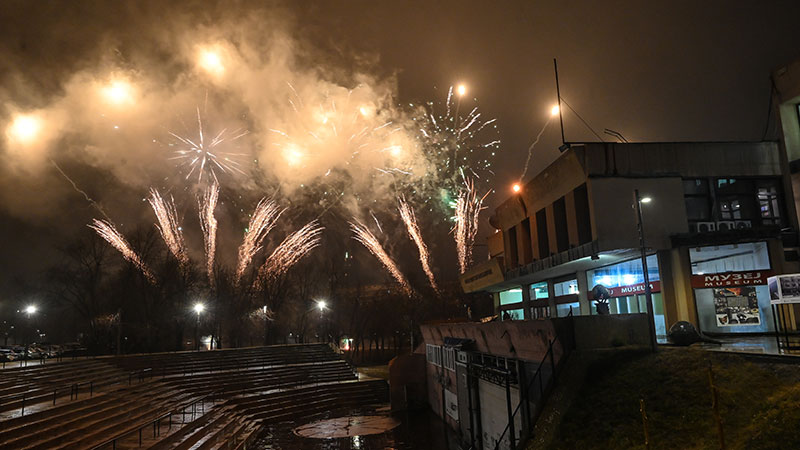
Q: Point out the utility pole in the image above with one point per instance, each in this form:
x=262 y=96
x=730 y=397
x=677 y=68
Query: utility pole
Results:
x=651 y=322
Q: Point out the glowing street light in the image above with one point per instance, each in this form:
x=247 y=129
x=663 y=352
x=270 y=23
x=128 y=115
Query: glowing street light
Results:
x=198 y=308
x=30 y=309
x=516 y=188
x=461 y=90
x=24 y=128
x=321 y=305
x=646 y=200
x=554 y=110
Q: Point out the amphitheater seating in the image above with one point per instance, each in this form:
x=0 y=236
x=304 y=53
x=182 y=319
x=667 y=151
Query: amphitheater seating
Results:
x=198 y=400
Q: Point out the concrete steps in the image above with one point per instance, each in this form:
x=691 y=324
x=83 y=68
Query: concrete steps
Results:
x=256 y=386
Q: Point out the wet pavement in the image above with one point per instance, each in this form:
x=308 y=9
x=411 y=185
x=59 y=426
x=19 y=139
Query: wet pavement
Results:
x=337 y=430
x=764 y=345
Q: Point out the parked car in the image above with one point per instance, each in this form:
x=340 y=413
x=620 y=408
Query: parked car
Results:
x=6 y=355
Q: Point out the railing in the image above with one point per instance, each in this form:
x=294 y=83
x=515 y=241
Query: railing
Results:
x=545 y=388
x=156 y=423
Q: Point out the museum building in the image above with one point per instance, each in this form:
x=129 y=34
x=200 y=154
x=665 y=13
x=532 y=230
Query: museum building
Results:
x=718 y=220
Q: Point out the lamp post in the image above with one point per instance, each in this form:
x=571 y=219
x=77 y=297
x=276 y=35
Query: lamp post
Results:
x=651 y=322
x=198 y=308
x=30 y=310
x=264 y=311
x=321 y=306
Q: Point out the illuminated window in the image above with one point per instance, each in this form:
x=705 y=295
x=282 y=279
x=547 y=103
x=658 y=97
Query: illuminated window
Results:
x=511 y=296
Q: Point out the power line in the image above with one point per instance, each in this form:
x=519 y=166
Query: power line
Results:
x=581 y=118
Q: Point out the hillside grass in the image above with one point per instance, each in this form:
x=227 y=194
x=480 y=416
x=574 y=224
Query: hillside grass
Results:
x=759 y=403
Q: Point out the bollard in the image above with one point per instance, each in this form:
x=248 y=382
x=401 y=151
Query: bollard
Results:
x=644 y=424
x=715 y=407
x=23 y=406
x=54 y=396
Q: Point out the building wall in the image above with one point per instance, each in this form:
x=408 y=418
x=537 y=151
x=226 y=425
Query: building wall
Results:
x=615 y=218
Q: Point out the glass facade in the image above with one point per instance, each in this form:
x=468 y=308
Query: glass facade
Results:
x=729 y=258
x=630 y=273
x=732 y=308
x=624 y=274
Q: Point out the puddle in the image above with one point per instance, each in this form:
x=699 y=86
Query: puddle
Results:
x=368 y=428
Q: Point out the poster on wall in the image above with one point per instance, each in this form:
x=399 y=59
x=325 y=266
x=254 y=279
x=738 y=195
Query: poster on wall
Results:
x=736 y=306
x=784 y=289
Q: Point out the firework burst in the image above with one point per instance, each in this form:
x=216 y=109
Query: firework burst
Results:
x=468 y=210
x=261 y=223
x=291 y=251
x=208 y=223
x=169 y=226
x=205 y=154
x=109 y=233
x=457 y=145
x=412 y=227
x=366 y=238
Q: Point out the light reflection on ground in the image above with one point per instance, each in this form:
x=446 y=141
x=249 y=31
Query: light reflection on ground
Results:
x=351 y=426
x=417 y=430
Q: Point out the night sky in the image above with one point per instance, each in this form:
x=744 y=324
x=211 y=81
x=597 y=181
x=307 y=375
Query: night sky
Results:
x=671 y=71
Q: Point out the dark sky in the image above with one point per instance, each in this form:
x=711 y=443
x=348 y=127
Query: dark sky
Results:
x=654 y=71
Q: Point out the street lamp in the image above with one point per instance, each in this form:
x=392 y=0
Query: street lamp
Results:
x=30 y=310
x=651 y=320
x=198 y=308
x=321 y=305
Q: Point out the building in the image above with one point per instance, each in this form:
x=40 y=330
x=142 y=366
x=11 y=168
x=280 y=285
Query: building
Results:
x=721 y=221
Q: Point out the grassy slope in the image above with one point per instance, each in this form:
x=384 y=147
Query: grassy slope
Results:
x=760 y=403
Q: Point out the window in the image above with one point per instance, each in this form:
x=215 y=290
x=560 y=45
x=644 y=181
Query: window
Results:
x=449 y=358
x=512 y=259
x=568 y=287
x=769 y=204
x=540 y=312
x=433 y=353
x=729 y=258
x=623 y=274
x=511 y=296
x=539 y=291
x=582 y=214
x=735 y=198
x=512 y=314
x=564 y=309
x=560 y=219
x=697 y=199
x=541 y=233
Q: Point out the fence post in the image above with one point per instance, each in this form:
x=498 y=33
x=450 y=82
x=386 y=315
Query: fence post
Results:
x=715 y=407
x=91 y=388
x=55 y=391
x=644 y=424
x=23 y=406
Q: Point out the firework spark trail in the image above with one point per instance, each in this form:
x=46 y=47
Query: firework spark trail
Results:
x=107 y=231
x=291 y=251
x=410 y=220
x=168 y=226
x=208 y=223
x=202 y=155
x=468 y=210
x=363 y=235
x=261 y=223
x=81 y=191
x=530 y=149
